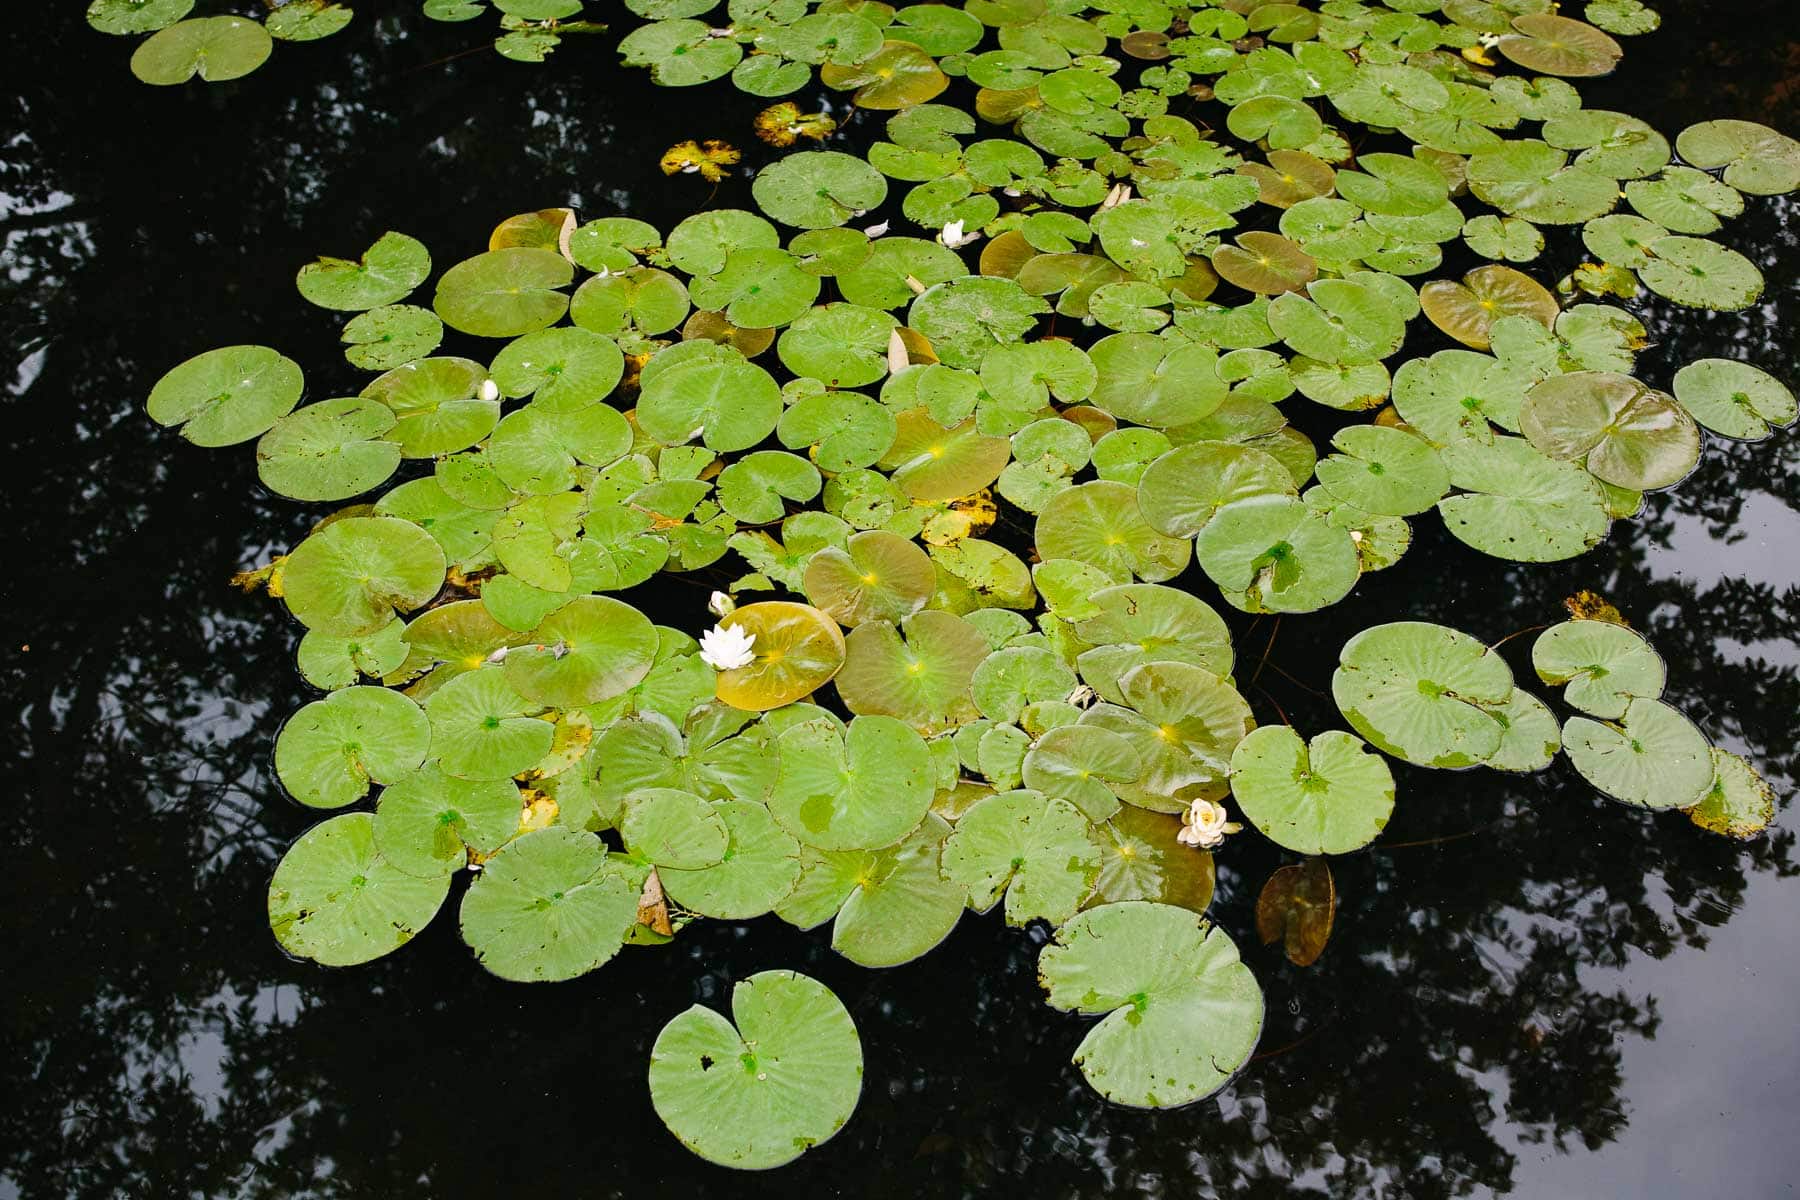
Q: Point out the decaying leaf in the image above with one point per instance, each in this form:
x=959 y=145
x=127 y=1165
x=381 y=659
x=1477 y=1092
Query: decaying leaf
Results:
x=1587 y=605
x=709 y=159
x=1296 y=908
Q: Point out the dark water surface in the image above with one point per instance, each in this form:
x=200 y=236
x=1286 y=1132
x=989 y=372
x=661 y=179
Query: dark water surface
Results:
x=1531 y=991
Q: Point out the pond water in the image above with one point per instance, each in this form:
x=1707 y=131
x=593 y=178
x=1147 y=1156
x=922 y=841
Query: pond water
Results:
x=1530 y=990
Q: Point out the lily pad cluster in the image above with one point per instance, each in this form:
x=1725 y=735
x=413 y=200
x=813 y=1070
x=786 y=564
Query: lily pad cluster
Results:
x=530 y=30
x=945 y=424
x=214 y=49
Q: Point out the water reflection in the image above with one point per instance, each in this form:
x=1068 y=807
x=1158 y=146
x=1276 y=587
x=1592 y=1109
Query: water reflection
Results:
x=1470 y=1011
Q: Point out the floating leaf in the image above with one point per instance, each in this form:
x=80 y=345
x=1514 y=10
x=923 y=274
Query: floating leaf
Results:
x=1467 y=310
x=759 y=1095
x=1701 y=274
x=546 y=907
x=1652 y=757
x=798 y=649
x=1740 y=803
x=1756 y=158
x=349 y=577
x=216 y=49
x=388 y=271
x=922 y=679
x=384 y=338
x=336 y=900
x=1100 y=523
x=437 y=405
x=1519 y=504
x=1384 y=471
x=1033 y=849
x=136 y=16
x=1560 y=46
x=1603 y=665
x=591 y=649
x=877 y=576
x=481 y=728
x=1327 y=796
x=1530 y=737
x=856 y=788
x=673 y=828
x=426 y=822
x=1140 y=859
x=1274 y=554
x=1624 y=433
x=226 y=396
x=332 y=749
x=760 y=867
x=1734 y=399
x=1182 y=1014
x=816 y=189
x=504 y=293
x=1422 y=692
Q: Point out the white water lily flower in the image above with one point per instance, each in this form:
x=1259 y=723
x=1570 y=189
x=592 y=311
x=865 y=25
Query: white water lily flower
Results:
x=953 y=236
x=727 y=647
x=719 y=604
x=489 y=390
x=1205 y=825
x=876 y=230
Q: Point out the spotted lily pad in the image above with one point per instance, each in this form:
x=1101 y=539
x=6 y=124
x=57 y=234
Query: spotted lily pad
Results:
x=1652 y=756
x=227 y=396
x=1734 y=399
x=1602 y=665
x=388 y=271
x=1032 y=848
x=330 y=751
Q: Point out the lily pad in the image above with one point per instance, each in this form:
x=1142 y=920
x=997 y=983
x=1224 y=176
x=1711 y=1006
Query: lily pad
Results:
x=546 y=907
x=798 y=650
x=673 y=828
x=330 y=751
x=215 y=49
x=1182 y=1013
x=336 y=900
x=1652 y=757
x=1740 y=804
x=392 y=336
x=1100 y=522
x=1519 y=503
x=1327 y=796
x=1602 y=666
x=1423 y=693
x=349 y=578
x=1384 y=471
x=388 y=271
x=816 y=189
x=1624 y=433
x=427 y=822
x=136 y=16
x=481 y=728
x=1757 y=159
x=877 y=576
x=760 y=867
x=1272 y=553
x=1734 y=399
x=922 y=678
x=760 y=1094
x=227 y=396
x=1296 y=907
x=856 y=788
x=591 y=649
x=505 y=293
x=1701 y=274
x=1032 y=848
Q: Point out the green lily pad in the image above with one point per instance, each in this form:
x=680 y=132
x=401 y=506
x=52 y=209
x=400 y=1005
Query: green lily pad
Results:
x=1624 y=433
x=1100 y=523
x=1384 y=471
x=307 y=20
x=1423 y=693
x=876 y=576
x=330 y=751
x=227 y=396
x=727 y=403
x=349 y=578
x=1182 y=1013
x=482 y=729
x=1530 y=737
x=1136 y=623
x=1757 y=159
x=1553 y=45
x=437 y=405
x=388 y=271
x=673 y=828
x=1734 y=399
x=760 y=867
x=505 y=293
x=427 y=822
x=1079 y=763
x=537 y=451
x=332 y=662
x=546 y=907
x=336 y=900
x=930 y=461
x=1652 y=757
x=564 y=370
x=1272 y=553
x=136 y=16
x=591 y=649
x=856 y=788
x=392 y=336
x=1327 y=796
x=215 y=49
x=817 y=189
x=1182 y=490
x=1140 y=859
x=1604 y=666
x=1032 y=848
x=759 y=1095
x=922 y=678
x=1701 y=274
x=1520 y=504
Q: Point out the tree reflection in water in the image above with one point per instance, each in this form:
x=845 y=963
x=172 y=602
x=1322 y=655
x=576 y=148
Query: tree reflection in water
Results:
x=159 y=1043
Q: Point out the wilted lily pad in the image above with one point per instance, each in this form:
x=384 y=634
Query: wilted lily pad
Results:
x=1740 y=803
x=762 y=1093
x=1296 y=907
x=1182 y=1014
